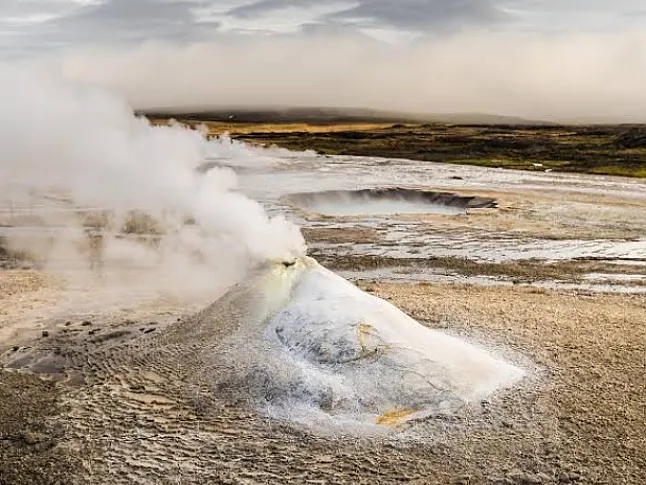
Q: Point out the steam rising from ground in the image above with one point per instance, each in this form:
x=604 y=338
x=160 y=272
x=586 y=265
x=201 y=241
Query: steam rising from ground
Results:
x=566 y=77
x=97 y=191
x=107 y=191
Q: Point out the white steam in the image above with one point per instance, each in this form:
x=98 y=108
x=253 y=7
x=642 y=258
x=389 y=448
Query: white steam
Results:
x=566 y=77
x=106 y=190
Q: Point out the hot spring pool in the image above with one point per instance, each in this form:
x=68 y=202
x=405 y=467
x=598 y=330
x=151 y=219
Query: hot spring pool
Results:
x=386 y=201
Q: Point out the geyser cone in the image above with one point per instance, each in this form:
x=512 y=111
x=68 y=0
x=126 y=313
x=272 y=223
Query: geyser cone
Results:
x=311 y=346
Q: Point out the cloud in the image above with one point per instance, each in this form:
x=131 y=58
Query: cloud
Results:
x=433 y=16
x=536 y=58
x=425 y=14
x=26 y=8
x=41 y=25
x=38 y=25
x=418 y=15
x=558 y=77
x=125 y=20
x=262 y=7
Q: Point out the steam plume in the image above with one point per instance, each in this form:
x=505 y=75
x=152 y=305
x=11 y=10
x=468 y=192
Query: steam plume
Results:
x=112 y=191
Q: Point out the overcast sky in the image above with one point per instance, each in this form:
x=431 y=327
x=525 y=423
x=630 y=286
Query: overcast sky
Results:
x=28 y=26
x=551 y=59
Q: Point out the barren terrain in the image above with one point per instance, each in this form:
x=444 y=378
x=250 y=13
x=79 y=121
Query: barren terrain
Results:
x=577 y=419
x=552 y=277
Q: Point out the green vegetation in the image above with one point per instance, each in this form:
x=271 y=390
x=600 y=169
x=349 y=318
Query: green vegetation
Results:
x=603 y=149
x=633 y=171
x=612 y=150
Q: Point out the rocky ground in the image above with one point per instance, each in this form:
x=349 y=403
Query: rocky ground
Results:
x=117 y=397
x=578 y=418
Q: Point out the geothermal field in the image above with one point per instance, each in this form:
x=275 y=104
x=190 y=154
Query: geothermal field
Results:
x=180 y=307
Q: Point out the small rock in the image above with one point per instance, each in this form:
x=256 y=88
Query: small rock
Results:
x=45 y=333
x=148 y=330
x=86 y=323
x=68 y=323
x=16 y=348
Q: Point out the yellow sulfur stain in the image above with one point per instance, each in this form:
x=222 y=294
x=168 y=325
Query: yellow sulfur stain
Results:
x=394 y=417
x=363 y=330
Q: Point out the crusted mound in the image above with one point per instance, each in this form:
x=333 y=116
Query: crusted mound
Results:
x=314 y=347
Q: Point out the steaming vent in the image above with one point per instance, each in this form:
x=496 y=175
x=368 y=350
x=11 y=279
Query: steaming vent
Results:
x=315 y=349
x=393 y=200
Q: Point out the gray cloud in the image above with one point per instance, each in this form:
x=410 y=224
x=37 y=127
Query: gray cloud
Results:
x=17 y=8
x=565 y=77
x=39 y=25
x=404 y=14
x=423 y=14
x=575 y=72
x=140 y=20
x=108 y=22
x=430 y=16
x=258 y=8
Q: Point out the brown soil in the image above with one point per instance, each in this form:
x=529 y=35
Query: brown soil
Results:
x=588 y=401
x=354 y=235
x=32 y=449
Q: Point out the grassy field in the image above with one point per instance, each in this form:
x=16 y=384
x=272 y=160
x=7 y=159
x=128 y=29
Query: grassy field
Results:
x=216 y=128
x=603 y=150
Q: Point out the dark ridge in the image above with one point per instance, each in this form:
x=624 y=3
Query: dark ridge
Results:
x=635 y=137
x=326 y=116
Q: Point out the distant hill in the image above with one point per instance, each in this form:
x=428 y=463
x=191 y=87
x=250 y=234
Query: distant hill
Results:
x=333 y=115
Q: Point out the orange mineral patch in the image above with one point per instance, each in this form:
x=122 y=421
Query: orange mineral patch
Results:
x=394 y=417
